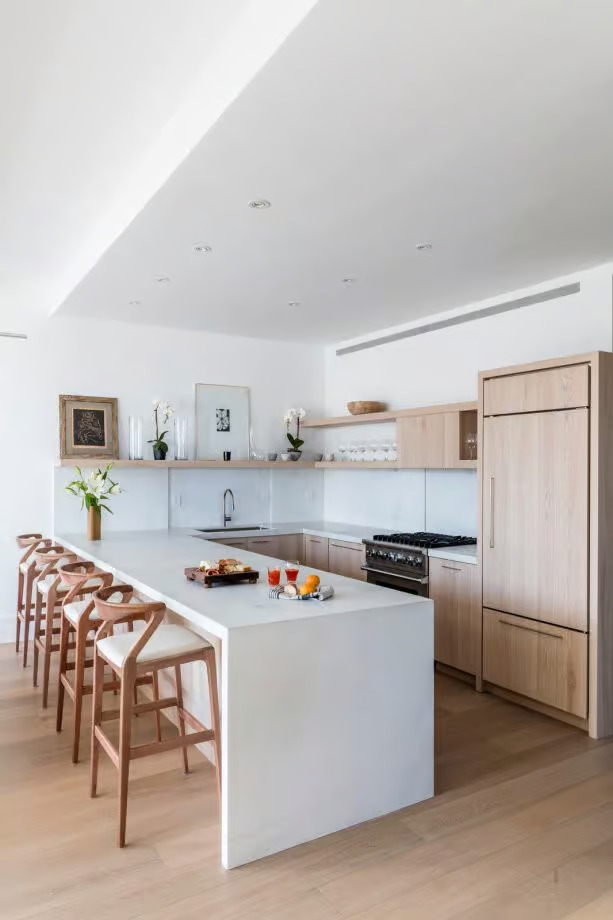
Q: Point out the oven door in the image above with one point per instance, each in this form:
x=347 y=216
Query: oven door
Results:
x=404 y=583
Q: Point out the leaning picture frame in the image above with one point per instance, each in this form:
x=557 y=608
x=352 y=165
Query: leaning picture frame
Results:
x=222 y=421
x=88 y=427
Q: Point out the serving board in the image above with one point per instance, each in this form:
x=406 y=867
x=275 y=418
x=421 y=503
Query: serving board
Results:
x=231 y=578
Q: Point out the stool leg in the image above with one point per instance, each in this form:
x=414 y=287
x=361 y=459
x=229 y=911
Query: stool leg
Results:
x=20 y=581
x=79 y=674
x=211 y=669
x=181 y=719
x=64 y=635
x=37 y=617
x=128 y=678
x=96 y=720
x=51 y=601
x=156 y=696
x=27 y=612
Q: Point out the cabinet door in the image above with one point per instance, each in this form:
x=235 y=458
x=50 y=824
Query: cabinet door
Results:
x=428 y=441
x=266 y=546
x=537 y=391
x=455 y=588
x=544 y=663
x=535 y=515
x=316 y=552
x=238 y=542
x=291 y=547
x=347 y=559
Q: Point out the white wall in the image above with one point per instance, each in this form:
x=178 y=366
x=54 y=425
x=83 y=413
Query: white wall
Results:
x=136 y=364
x=440 y=367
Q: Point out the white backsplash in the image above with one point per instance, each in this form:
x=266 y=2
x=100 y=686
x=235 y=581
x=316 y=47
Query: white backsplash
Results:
x=451 y=502
x=393 y=499
x=142 y=505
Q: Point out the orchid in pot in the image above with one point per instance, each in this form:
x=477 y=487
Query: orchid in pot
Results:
x=163 y=411
x=95 y=491
x=294 y=416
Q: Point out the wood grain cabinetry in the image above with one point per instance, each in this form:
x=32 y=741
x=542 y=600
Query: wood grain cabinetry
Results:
x=538 y=391
x=316 y=552
x=279 y=546
x=237 y=542
x=538 y=661
x=436 y=440
x=455 y=588
x=346 y=559
x=536 y=515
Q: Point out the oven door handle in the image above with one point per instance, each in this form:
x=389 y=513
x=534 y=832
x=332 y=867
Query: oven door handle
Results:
x=419 y=581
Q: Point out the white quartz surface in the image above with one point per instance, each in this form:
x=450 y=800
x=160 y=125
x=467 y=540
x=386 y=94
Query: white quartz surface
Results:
x=335 y=530
x=154 y=562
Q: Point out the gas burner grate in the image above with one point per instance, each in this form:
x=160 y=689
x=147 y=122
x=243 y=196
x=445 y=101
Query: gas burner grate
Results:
x=424 y=540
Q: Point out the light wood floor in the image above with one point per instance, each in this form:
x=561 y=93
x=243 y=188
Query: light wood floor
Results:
x=522 y=827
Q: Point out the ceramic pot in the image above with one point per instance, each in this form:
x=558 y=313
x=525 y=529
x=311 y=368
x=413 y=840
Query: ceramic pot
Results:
x=159 y=454
x=94 y=524
x=295 y=454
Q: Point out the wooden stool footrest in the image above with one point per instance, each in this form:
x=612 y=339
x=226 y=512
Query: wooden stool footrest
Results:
x=156 y=747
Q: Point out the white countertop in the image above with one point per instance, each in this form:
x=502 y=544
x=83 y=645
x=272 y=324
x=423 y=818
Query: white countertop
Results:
x=334 y=530
x=154 y=562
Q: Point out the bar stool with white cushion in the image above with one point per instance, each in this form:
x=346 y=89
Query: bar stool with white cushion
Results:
x=49 y=595
x=79 y=620
x=131 y=656
x=28 y=571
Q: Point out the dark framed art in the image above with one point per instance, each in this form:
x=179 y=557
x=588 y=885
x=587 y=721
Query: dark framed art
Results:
x=88 y=427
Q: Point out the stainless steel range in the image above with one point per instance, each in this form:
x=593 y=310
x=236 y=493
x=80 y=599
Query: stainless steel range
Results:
x=400 y=560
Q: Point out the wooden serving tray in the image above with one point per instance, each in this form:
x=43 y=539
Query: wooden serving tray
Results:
x=231 y=578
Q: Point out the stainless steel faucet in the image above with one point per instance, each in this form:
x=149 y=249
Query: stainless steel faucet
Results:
x=227 y=517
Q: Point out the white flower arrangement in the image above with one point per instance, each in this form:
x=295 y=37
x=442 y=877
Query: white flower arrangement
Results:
x=165 y=411
x=297 y=416
x=95 y=489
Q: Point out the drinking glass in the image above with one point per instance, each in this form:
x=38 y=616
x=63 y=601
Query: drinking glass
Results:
x=274 y=575
x=180 y=437
x=135 y=450
x=393 y=454
x=291 y=572
x=471 y=444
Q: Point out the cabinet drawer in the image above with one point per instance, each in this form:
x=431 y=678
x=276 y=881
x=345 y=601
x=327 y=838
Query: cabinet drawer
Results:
x=545 y=663
x=455 y=588
x=538 y=391
x=316 y=552
x=347 y=559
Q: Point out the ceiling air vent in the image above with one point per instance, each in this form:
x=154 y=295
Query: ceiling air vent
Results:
x=506 y=307
x=13 y=335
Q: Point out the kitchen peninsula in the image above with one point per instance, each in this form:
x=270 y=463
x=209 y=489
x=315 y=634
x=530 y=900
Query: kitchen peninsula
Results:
x=327 y=707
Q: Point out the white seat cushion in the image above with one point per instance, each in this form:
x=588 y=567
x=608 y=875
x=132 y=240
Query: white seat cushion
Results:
x=45 y=583
x=24 y=566
x=75 y=610
x=166 y=641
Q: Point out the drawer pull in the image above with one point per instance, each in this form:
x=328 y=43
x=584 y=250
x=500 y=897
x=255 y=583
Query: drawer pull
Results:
x=539 y=632
x=452 y=568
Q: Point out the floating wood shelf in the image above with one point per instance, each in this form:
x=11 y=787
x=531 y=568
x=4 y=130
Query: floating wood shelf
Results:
x=94 y=462
x=391 y=416
x=358 y=465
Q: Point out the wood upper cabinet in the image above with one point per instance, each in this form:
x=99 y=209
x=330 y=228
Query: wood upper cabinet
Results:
x=545 y=663
x=455 y=588
x=346 y=559
x=538 y=391
x=316 y=552
x=436 y=440
x=536 y=515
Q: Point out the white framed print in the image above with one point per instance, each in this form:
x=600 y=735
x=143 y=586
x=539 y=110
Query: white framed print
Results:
x=222 y=421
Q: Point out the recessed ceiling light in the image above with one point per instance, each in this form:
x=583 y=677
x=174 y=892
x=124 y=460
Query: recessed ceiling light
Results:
x=422 y=246
x=201 y=248
x=162 y=279
x=349 y=280
x=134 y=303
x=294 y=303
x=259 y=204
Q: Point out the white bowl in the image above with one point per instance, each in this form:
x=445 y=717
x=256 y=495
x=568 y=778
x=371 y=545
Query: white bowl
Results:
x=285 y=457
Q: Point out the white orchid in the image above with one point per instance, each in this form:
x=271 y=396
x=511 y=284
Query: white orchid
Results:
x=300 y=414
x=290 y=416
x=165 y=410
x=156 y=404
x=95 y=489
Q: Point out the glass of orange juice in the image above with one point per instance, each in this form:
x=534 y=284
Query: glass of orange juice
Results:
x=274 y=575
x=291 y=572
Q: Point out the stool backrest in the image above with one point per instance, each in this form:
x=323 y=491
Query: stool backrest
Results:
x=30 y=542
x=50 y=557
x=81 y=578
x=111 y=612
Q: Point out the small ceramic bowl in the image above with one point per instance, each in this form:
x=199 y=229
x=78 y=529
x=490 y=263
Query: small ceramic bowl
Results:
x=272 y=455
x=285 y=457
x=328 y=458
x=318 y=458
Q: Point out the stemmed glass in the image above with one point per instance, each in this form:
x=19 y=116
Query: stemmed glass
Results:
x=471 y=444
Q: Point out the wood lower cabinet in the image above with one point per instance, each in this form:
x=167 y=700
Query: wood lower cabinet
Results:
x=544 y=663
x=280 y=546
x=346 y=559
x=237 y=542
x=316 y=552
x=455 y=588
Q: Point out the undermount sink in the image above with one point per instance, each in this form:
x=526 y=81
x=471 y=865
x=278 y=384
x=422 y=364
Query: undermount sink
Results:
x=224 y=529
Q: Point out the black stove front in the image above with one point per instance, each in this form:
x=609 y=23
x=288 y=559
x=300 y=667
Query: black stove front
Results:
x=400 y=560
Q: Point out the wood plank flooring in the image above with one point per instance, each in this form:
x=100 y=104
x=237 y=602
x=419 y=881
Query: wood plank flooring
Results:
x=521 y=829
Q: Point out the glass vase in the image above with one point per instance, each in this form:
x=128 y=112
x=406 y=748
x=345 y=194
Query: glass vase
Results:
x=135 y=450
x=180 y=437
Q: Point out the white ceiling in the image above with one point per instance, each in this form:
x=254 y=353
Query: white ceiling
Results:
x=482 y=127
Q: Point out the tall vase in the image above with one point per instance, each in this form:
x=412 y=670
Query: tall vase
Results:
x=94 y=524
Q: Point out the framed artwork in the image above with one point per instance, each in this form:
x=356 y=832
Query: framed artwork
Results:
x=222 y=421
x=88 y=427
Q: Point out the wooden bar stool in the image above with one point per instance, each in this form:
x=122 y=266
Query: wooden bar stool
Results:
x=49 y=595
x=27 y=573
x=79 y=619
x=130 y=656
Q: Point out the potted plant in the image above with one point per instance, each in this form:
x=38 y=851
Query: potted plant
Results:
x=296 y=442
x=94 y=492
x=160 y=447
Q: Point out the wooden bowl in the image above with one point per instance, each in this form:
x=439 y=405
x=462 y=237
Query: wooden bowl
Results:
x=364 y=407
